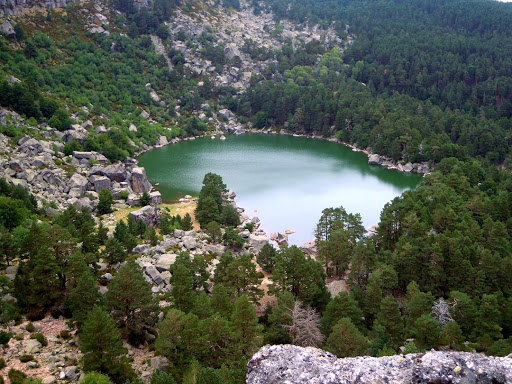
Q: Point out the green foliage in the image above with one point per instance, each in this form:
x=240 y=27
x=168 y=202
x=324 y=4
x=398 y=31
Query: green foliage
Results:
x=130 y=302
x=390 y=318
x=266 y=257
x=101 y=344
x=114 y=251
x=246 y=330
x=26 y=358
x=95 y=378
x=186 y=222
x=5 y=337
x=105 y=202
x=209 y=204
x=160 y=377
x=39 y=337
x=426 y=332
x=230 y=216
x=343 y=305
x=145 y=199
x=16 y=377
x=3 y=364
x=346 y=340
x=123 y=195
x=213 y=230
x=84 y=297
x=233 y=238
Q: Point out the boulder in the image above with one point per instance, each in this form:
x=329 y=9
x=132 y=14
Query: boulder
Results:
x=144 y=115
x=156 y=198
x=140 y=249
x=132 y=127
x=146 y=214
x=162 y=141
x=133 y=200
x=16 y=166
x=72 y=373
x=32 y=346
x=7 y=28
x=189 y=242
x=375 y=159
x=159 y=363
x=408 y=167
x=165 y=261
x=78 y=133
x=257 y=241
x=115 y=172
x=101 y=129
x=291 y=364
x=78 y=182
x=226 y=114
x=153 y=273
x=100 y=182
x=139 y=181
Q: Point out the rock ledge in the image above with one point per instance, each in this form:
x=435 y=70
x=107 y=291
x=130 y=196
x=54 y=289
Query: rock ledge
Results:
x=292 y=365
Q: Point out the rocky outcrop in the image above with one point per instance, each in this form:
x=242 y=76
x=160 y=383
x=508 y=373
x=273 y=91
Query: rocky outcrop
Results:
x=294 y=365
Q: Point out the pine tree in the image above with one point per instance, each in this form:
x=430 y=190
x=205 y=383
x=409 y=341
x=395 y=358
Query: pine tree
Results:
x=101 y=345
x=84 y=297
x=186 y=222
x=345 y=340
x=145 y=199
x=266 y=257
x=220 y=301
x=105 y=202
x=114 y=251
x=182 y=292
x=426 y=332
x=247 y=331
x=131 y=302
x=343 y=305
x=279 y=319
x=390 y=318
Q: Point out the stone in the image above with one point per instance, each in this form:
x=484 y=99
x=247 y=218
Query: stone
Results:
x=153 y=273
x=100 y=182
x=71 y=372
x=87 y=124
x=132 y=128
x=189 y=242
x=162 y=140
x=101 y=129
x=7 y=28
x=78 y=133
x=408 y=167
x=133 y=200
x=294 y=365
x=32 y=346
x=78 y=182
x=146 y=214
x=139 y=181
x=159 y=363
x=144 y=115
x=156 y=198
x=226 y=114
x=165 y=261
x=257 y=241
x=49 y=380
x=140 y=249
x=115 y=172
x=374 y=159
x=16 y=166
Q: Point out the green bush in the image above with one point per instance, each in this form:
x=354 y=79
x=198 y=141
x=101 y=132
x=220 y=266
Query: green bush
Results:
x=30 y=328
x=40 y=337
x=5 y=337
x=26 y=358
x=64 y=334
x=95 y=378
x=3 y=364
x=16 y=377
x=123 y=195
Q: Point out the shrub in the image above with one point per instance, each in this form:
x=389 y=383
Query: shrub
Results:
x=30 y=327
x=40 y=337
x=5 y=337
x=123 y=195
x=1 y=379
x=95 y=378
x=16 y=377
x=3 y=364
x=64 y=334
x=26 y=358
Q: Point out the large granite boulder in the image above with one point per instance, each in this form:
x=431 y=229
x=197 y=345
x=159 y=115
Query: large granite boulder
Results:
x=139 y=181
x=78 y=183
x=293 y=365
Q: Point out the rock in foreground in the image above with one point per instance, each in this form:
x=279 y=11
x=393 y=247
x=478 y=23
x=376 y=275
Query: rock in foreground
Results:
x=293 y=365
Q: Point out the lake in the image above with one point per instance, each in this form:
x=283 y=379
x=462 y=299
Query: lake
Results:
x=287 y=180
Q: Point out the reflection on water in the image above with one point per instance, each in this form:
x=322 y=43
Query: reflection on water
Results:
x=289 y=180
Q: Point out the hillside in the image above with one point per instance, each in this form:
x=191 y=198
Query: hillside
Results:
x=99 y=275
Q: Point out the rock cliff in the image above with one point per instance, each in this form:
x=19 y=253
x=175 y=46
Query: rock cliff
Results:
x=293 y=365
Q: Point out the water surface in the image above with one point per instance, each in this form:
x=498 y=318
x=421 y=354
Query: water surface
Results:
x=288 y=180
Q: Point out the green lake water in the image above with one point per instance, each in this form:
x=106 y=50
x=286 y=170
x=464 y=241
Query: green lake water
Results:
x=287 y=180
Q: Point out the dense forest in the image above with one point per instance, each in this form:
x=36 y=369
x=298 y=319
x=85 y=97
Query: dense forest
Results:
x=416 y=81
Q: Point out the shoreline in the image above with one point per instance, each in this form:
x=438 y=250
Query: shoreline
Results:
x=422 y=168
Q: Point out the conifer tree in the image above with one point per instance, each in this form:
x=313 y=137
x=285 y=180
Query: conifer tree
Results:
x=247 y=331
x=426 y=332
x=345 y=340
x=131 y=302
x=266 y=257
x=220 y=301
x=101 y=345
x=84 y=297
x=186 y=222
x=279 y=319
x=390 y=318
x=343 y=305
x=182 y=292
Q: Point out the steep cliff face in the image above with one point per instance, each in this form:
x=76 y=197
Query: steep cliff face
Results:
x=294 y=365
